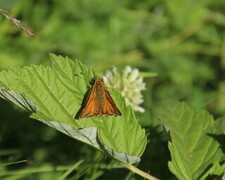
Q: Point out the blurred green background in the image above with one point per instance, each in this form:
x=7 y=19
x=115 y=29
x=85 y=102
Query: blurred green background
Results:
x=182 y=41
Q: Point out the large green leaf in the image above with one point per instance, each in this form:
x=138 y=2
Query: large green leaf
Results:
x=195 y=153
x=54 y=96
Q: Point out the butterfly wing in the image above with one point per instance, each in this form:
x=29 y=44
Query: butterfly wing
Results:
x=89 y=108
x=110 y=106
x=99 y=102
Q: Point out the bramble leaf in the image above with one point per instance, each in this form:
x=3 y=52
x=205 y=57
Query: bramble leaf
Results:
x=54 y=96
x=195 y=152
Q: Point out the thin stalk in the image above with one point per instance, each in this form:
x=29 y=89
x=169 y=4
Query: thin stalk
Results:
x=139 y=172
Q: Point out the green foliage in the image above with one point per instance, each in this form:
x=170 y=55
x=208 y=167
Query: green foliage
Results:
x=181 y=41
x=54 y=96
x=195 y=153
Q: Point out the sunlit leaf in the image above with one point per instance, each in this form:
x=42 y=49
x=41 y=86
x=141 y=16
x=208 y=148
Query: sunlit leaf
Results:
x=54 y=96
x=194 y=151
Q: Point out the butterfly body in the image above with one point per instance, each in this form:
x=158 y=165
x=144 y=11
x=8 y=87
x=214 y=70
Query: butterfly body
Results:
x=99 y=102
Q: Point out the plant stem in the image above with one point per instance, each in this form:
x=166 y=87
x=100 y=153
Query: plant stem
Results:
x=139 y=172
x=15 y=22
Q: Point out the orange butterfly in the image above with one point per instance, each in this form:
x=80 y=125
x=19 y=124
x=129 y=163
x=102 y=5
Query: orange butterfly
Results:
x=99 y=102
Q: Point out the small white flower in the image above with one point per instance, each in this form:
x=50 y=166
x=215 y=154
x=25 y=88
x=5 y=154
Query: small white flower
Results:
x=129 y=83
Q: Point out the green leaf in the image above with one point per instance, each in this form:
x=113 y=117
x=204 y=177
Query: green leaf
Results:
x=194 y=151
x=54 y=96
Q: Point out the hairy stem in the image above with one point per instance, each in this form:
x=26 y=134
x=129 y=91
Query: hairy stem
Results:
x=139 y=172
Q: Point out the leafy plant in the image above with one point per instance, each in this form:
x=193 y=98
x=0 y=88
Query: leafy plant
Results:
x=195 y=152
x=54 y=96
x=185 y=49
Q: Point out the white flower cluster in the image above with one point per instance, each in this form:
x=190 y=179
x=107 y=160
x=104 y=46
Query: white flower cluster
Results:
x=129 y=83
